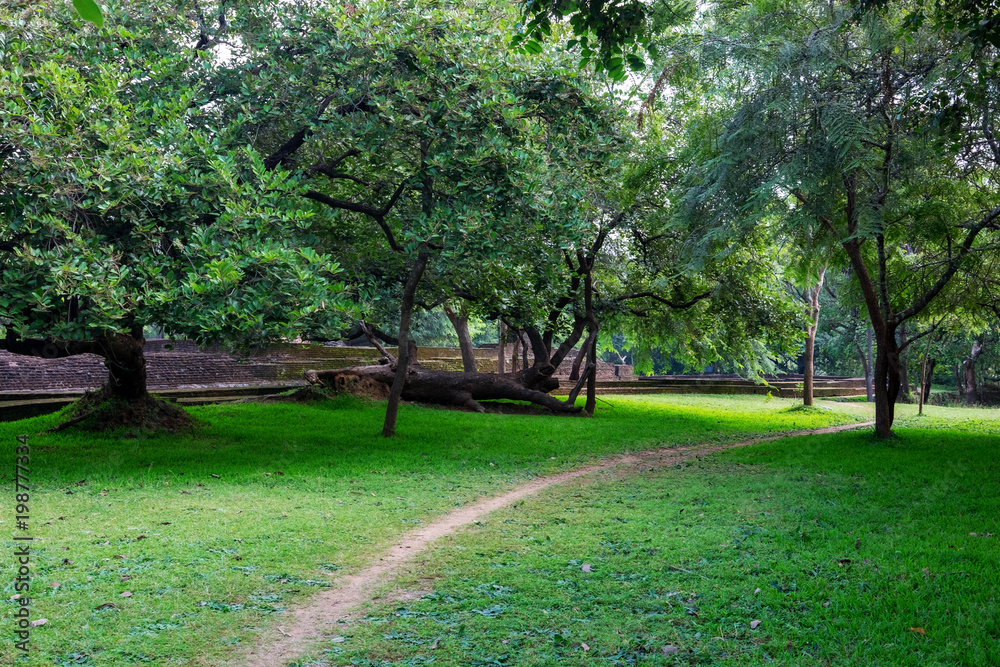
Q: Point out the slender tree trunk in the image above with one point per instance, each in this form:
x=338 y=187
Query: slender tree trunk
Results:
x=969 y=368
x=588 y=299
x=869 y=367
x=578 y=362
x=904 y=375
x=460 y=321
x=810 y=354
x=403 y=358
x=931 y=364
x=524 y=349
x=514 y=353
x=924 y=385
x=501 y=346
x=958 y=380
x=923 y=379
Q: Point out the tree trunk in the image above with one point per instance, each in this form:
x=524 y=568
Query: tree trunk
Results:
x=588 y=300
x=958 y=380
x=969 y=372
x=514 y=352
x=591 y=404
x=460 y=321
x=923 y=380
x=904 y=375
x=126 y=366
x=501 y=346
x=445 y=387
x=924 y=384
x=578 y=362
x=869 y=367
x=929 y=380
x=524 y=349
x=403 y=358
x=886 y=381
x=810 y=354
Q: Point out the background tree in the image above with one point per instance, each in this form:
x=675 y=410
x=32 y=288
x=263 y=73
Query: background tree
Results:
x=851 y=125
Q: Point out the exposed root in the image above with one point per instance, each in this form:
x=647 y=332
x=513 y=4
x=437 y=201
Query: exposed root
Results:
x=99 y=411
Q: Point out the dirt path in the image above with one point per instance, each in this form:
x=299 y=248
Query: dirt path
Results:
x=305 y=625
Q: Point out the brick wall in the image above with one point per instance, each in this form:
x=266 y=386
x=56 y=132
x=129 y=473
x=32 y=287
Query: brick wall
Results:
x=181 y=364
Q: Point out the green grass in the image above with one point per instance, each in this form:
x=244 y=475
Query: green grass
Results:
x=840 y=546
x=215 y=533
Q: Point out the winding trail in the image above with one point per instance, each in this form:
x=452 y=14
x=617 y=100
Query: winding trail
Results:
x=306 y=624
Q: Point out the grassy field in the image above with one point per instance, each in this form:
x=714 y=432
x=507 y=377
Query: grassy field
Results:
x=818 y=550
x=215 y=534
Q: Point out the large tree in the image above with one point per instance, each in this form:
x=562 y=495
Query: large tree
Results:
x=889 y=144
x=121 y=207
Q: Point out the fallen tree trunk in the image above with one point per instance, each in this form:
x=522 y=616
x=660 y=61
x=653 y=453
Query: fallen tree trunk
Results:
x=449 y=387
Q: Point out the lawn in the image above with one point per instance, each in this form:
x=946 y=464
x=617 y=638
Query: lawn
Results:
x=817 y=550
x=215 y=534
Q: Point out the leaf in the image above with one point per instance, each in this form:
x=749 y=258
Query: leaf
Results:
x=585 y=567
x=89 y=11
x=919 y=631
x=214 y=475
x=126 y=594
x=37 y=622
x=754 y=624
x=670 y=649
x=584 y=647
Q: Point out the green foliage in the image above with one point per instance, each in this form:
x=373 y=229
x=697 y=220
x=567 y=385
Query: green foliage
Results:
x=122 y=207
x=829 y=131
x=89 y=11
x=612 y=36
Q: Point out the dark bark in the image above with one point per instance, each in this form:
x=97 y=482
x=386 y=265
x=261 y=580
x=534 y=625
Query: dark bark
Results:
x=403 y=358
x=969 y=373
x=578 y=362
x=515 y=350
x=904 y=374
x=925 y=378
x=591 y=404
x=929 y=380
x=588 y=300
x=357 y=333
x=447 y=387
x=126 y=367
x=886 y=381
x=460 y=321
